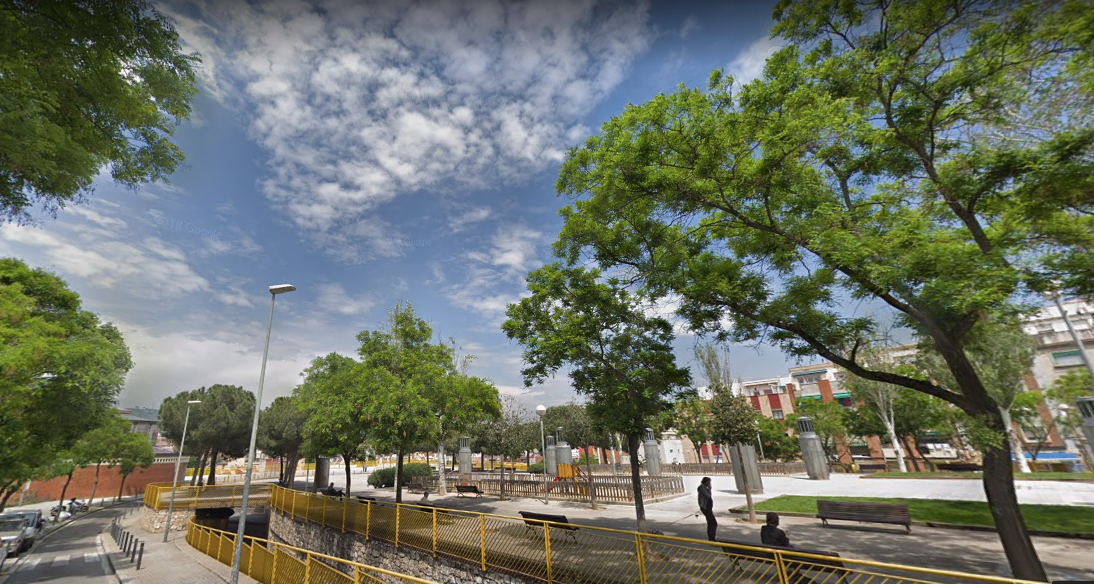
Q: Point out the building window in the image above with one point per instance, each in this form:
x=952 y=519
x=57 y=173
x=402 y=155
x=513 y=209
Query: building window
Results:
x=777 y=414
x=1067 y=359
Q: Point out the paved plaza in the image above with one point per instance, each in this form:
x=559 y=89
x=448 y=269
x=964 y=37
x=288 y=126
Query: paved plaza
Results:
x=967 y=551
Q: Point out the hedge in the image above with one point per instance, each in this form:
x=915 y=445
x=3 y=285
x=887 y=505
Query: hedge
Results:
x=385 y=477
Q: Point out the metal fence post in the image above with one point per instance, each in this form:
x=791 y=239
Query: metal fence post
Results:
x=641 y=558
x=434 y=533
x=547 y=550
x=345 y=507
x=368 y=519
x=482 y=539
x=780 y=568
x=140 y=556
x=398 y=508
x=324 y=515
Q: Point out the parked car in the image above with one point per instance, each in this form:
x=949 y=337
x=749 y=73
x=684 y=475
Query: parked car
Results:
x=34 y=522
x=12 y=533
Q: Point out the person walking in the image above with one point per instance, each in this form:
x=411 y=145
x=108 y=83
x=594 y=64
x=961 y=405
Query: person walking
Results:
x=706 y=507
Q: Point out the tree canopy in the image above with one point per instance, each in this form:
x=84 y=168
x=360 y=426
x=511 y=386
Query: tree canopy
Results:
x=932 y=157
x=280 y=434
x=618 y=356
x=335 y=404
x=60 y=371
x=85 y=85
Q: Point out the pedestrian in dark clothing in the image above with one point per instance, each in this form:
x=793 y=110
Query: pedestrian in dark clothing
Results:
x=706 y=507
x=770 y=534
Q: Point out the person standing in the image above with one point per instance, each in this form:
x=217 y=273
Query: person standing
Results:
x=706 y=507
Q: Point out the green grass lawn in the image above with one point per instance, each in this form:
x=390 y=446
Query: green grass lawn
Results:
x=1061 y=518
x=1035 y=476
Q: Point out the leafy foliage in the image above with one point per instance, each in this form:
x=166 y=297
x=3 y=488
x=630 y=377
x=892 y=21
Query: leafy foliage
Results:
x=733 y=420
x=60 y=371
x=385 y=477
x=85 y=85
x=777 y=440
x=828 y=423
x=335 y=405
x=280 y=434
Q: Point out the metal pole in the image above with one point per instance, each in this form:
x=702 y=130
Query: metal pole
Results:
x=1074 y=335
x=443 y=490
x=175 y=480
x=251 y=453
x=543 y=442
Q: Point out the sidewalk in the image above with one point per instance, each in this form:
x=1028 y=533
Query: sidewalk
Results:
x=164 y=563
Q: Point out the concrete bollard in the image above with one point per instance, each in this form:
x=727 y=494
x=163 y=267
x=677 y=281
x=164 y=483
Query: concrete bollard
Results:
x=140 y=556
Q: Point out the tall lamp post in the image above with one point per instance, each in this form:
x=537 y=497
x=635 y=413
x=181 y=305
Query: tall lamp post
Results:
x=443 y=489
x=175 y=480
x=274 y=291
x=542 y=411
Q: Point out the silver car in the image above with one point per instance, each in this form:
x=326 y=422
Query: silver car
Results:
x=13 y=531
x=34 y=522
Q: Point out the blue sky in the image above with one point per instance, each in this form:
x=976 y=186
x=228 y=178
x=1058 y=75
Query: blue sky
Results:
x=368 y=152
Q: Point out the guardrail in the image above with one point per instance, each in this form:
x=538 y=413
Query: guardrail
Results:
x=555 y=552
x=157 y=496
x=275 y=563
x=608 y=489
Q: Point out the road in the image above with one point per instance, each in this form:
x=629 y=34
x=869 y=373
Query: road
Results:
x=70 y=555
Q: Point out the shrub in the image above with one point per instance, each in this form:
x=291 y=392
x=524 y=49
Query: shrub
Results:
x=385 y=477
x=536 y=468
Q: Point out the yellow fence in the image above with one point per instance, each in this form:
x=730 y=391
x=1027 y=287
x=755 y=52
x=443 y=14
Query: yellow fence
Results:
x=554 y=552
x=157 y=496
x=274 y=563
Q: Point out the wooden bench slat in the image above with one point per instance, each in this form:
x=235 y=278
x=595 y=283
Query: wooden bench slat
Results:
x=865 y=512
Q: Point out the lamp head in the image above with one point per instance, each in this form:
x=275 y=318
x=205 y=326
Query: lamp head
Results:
x=194 y=401
x=541 y=411
x=281 y=289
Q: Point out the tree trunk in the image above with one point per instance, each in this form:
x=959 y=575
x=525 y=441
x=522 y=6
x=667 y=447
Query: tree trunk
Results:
x=1015 y=443
x=897 y=448
x=64 y=489
x=345 y=460
x=95 y=485
x=399 y=478
x=442 y=488
x=121 y=487
x=5 y=498
x=589 y=478
x=502 y=497
x=196 y=479
x=213 y=469
x=636 y=483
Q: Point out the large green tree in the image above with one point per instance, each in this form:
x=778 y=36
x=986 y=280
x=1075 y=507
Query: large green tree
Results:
x=413 y=379
x=219 y=425
x=86 y=84
x=335 y=402
x=280 y=434
x=883 y=155
x=618 y=356
x=60 y=371
x=133 y=451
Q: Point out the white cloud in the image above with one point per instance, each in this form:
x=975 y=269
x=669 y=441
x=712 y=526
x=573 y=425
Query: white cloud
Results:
x=691 y=24
x=90 y=215
x=359 y=103
x=494 y=277
x=334 y=297
x=464 y=220
x=749 y=63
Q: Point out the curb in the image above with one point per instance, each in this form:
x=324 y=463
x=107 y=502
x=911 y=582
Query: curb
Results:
x=935 y=524
x=109 y=560
x=15 y=564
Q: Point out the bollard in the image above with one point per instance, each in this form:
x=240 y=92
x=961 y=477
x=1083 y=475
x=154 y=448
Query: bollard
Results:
x=140 y=556
x=133 y=553
x=125 y=543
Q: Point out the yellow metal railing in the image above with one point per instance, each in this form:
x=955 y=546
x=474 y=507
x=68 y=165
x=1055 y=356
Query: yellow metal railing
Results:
x=274 y=563
x=157 y=496
x=554 y=552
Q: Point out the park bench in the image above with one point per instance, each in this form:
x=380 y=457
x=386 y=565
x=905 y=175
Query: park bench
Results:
x=533 y=520
x=417 y=486
x=462 y=490
x=362 y=499
x=864 y=513
x=869 y=467
x=797 y=566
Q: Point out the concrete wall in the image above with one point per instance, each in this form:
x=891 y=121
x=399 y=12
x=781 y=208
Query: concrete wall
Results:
x=354 y=547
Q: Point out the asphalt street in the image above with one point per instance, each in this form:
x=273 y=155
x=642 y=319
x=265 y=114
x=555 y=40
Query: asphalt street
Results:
x=70 y=555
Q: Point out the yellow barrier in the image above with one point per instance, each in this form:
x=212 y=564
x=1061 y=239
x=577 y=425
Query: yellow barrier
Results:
x=157 y=496
x=275 y=563
x=554 y=552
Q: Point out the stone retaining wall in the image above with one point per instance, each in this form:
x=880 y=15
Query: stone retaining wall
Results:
x=152 y=521
x=354 y=547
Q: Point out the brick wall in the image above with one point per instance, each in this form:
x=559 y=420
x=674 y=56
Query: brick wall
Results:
x=109 y=481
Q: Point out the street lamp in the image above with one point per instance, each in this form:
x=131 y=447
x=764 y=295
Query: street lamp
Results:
x=175 y=479
x=274 y=291
x=542 y=411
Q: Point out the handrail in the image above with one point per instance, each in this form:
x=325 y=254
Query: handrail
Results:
x=500 y=542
